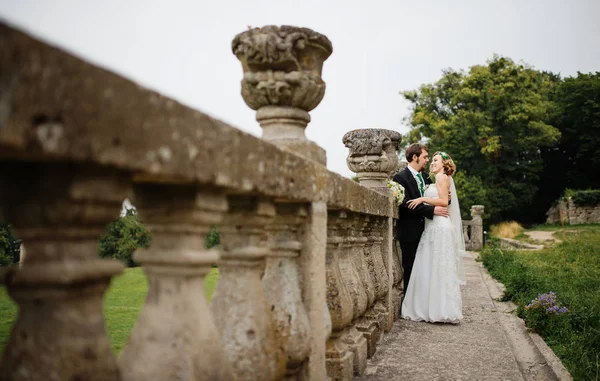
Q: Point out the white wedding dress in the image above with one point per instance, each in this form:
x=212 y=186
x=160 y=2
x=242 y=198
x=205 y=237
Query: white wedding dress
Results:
x=433 y=292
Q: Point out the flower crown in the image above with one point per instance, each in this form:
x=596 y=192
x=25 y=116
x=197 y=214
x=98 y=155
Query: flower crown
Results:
x=443 y=154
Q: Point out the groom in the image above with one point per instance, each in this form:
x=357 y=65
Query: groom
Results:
x=411 y=222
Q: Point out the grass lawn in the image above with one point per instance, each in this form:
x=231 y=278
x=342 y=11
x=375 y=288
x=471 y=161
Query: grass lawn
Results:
x=572 y=270
x=122 y=304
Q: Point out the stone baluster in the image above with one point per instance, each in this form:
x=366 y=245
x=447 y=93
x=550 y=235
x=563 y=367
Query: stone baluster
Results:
x=346 y=231
x=282 y=82
x=59 y=211
x=339 y=352
x=466 y=238
x=368 y=323
x=242 y=313
x=477 y=227
x=398 y=286
x=282 y=282
x=373 y=254
x=175 y=336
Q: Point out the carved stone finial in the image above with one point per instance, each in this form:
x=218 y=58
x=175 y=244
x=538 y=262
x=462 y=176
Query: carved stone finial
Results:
x=373 y=155
x=282 y=81
x=477 y=210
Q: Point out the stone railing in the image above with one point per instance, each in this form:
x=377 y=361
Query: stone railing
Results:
x=308 y=278
x=473 y=229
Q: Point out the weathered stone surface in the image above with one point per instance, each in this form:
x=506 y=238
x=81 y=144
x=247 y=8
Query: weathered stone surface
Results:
x=141 y=131
x=476 y=227
x=282 y=81
x=242 y=313
x=282 y=280
x=312 y=263
x=372 y=155
x=568 y=212
x=176 y=314
x=282 y=66
x=59 y=211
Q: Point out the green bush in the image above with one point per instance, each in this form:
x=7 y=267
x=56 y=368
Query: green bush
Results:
x=586 y=197
x=123 y=236
x=213 y=238
x=10 y=247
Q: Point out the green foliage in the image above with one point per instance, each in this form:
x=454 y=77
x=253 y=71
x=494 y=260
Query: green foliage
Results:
x=10 y=247
x=578 y=99
x=584 y=197
x=572 y=270
x=493 y=120
x=572 y=162
x=213 y=238
x=123 y=236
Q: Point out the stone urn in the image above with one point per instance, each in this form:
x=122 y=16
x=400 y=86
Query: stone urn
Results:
x=373 y=155
x=282 y=82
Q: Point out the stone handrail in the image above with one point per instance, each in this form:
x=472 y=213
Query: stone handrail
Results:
x=308 y=278
x=473 y=229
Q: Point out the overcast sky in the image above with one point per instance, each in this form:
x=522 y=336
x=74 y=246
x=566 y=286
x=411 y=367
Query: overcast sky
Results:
x=183 y=48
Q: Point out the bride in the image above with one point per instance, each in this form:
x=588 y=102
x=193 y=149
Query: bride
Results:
x=433 y=292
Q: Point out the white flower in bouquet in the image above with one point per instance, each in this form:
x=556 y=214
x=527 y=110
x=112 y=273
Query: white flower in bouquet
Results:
x=397 y=191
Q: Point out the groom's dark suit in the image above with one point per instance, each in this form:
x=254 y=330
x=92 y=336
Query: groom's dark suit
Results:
x=411 y=222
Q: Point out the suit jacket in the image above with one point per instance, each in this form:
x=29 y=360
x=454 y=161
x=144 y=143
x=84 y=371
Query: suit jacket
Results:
x=411 y=222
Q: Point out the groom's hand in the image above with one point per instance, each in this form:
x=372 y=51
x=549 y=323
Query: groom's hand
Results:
x=440 y=211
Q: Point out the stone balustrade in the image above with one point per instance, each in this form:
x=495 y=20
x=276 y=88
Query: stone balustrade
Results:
x=309 y=277
x=473 y=229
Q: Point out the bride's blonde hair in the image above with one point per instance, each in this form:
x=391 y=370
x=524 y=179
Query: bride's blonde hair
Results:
x=447 y=162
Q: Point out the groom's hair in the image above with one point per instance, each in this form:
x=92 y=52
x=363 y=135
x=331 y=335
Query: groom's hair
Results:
x=415 y=149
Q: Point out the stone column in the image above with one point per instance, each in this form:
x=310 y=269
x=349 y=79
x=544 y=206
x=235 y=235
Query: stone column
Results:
x=282 y=282
x=372 y=155
x=242 y=313
x=477 y=227
x=282 y=82
x=315 y=293
x=175 y=336
x=59 y=211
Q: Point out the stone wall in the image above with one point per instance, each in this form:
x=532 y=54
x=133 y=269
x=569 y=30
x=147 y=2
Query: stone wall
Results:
x=310 y=277
x=573 y=214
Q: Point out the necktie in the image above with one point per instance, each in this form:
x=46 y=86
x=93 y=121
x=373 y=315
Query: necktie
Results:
x=421 y=183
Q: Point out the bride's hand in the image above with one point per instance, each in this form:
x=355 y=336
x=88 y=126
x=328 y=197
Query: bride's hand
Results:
x=413 y=203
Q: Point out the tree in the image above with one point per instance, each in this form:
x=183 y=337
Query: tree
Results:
x=123 y=236
x=578 y=100
x=494 y=120
x=10 y=247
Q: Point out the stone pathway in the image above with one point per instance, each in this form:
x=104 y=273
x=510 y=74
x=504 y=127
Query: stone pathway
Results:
x=490 y=343
x=542 y=236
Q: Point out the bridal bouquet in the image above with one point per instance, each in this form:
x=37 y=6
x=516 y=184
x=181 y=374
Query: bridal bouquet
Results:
x=397 y=191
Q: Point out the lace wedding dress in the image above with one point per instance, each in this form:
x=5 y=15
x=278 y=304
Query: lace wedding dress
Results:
x=433 y=292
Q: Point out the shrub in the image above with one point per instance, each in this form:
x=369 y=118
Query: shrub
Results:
x=123 y=236
x=506 y=229
x=586 y=197
x=213 y=238
x=10 y=247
